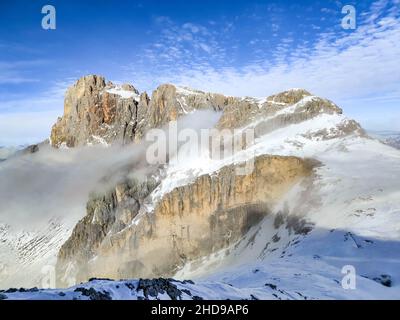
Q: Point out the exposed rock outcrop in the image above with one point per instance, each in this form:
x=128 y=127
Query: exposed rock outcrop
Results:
x=100 y=113
x=120 y=236
x=192 y=221
x=94 y=113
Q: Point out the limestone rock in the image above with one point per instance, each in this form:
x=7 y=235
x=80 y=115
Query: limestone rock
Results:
x=289 y=97
x=120 y=237
x=92 y=114
x=100 y=113
x=191 y=221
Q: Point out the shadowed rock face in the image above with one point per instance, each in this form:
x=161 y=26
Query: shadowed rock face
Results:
x=190 y=222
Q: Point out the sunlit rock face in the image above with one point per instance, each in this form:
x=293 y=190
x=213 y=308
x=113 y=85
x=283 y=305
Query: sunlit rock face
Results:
x=127 y=233
x=96 y=112
x=118 y=238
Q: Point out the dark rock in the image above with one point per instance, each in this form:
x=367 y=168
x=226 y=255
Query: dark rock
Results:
x=279 y=220
x=103 y=279
x=298 y=225
x=384 y=279
x=276 y=238
x=130 y=286
x=153 y=287
x=187 y=292
x=93 y=294
x=32 y=149
x=188 y=281
x=272 y=286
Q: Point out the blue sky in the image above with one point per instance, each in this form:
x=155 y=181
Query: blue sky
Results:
x=253 y=48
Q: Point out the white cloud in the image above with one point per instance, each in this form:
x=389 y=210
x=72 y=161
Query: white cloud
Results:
x=342 y=65
x=359 y=69
x=14 y=72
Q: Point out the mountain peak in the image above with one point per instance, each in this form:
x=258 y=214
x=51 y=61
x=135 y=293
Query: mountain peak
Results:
x=290 y=96
x=99 y=112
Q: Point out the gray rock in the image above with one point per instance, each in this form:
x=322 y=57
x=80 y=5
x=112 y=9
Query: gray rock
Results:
x=94 y=294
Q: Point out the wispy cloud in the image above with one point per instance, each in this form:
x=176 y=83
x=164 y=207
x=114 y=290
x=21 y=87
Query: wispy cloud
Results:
x=50 y=99
x=341 y=65
x=27 y=118
x=178 y=48
x=16 y=72
x=256 y=53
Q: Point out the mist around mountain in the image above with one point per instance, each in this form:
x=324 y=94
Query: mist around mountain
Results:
x=6 y=152
x=316 y=217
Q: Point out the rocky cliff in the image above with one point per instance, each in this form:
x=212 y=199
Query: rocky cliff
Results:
x=130 y=232
x=96 y=112
x=118 y=238
x=100 y=113
x=322 y=195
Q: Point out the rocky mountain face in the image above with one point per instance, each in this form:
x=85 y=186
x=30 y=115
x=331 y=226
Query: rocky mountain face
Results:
x=134 y=229
x=96 y=112
x=322 y=195
x=100 y=113
x=118 y=238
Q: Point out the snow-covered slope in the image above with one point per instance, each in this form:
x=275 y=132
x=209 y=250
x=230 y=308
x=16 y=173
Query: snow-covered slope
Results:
x=351 y=205
x=353 y=208
x=28 y=257
x=42 y=197
x=354 y=205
